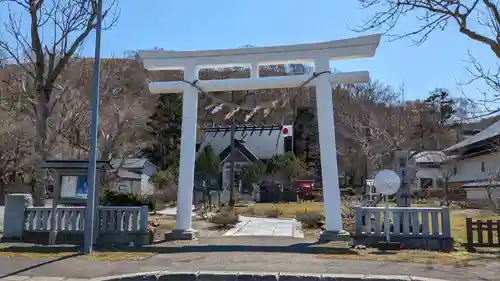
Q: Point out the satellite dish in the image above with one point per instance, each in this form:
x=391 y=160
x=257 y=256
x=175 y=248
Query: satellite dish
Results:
x=387 y=182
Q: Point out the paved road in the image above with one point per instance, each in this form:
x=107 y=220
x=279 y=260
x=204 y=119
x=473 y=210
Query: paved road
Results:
x=251 y=226
x=262 y=256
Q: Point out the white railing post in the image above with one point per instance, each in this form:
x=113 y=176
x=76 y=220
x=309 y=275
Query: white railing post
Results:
x=14 y=215
x=359 y=220
x=143 y=218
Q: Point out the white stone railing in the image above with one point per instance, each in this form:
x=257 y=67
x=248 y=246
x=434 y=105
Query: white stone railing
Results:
x=404 y=221
x=72 y=219
x=123 y=219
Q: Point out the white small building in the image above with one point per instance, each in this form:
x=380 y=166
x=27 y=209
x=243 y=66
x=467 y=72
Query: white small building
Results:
x=427 y=176
x=476 y=167
x=134 y=175
x=428 y=169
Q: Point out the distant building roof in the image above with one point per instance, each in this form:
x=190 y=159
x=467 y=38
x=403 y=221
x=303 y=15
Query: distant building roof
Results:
x=129 y=163
x=126 y=174
x=239 y=145
x=488 y=133
x=430 y=156
x=262 y=143
x=74 y=164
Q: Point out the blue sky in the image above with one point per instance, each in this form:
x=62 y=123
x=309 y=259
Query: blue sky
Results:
x=216 y=24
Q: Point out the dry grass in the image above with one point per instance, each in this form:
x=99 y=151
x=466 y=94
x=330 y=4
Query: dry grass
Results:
x=458 y=229
x=45 y=253
x=458 y=259
x=119 y=256
x=287 y=210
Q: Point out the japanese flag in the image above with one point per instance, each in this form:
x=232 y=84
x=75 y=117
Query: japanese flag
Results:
x=287 y=130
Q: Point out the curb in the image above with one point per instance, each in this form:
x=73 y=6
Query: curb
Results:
x=254 y=276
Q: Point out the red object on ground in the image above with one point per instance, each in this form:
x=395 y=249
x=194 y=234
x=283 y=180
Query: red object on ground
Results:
x=305 y=188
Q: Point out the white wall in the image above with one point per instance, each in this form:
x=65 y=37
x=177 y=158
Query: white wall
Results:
x=128 y=186
x=429 y=173
x=470 y=169
x=143 y=186
x=147 y=187
x=480 y=193
x=123 y=186
x=262 y=145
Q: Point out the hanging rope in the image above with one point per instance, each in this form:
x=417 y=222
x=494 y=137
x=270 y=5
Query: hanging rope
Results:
x=267 y=106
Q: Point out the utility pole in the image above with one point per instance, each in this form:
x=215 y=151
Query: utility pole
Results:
x=91 y=173
x=294 y=116
x=233 y=131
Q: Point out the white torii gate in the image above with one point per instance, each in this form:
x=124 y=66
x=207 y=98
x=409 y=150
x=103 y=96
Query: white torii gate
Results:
x=318 y=53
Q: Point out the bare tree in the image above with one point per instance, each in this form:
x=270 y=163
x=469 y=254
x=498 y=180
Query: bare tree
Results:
x=41 y=61
x=492 y=188
x=126 y=106
x=15 y=148
x=479 y=20
x=492 y=191
x=16 y=133
x=370 y=116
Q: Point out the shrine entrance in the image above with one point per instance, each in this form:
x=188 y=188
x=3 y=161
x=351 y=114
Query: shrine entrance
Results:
x=318 y=53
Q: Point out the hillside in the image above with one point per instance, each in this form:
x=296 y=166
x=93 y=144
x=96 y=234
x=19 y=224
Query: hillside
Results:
x=369 y=120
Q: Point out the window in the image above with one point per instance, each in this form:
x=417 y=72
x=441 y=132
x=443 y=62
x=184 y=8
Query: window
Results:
x=426 y=183
x=483 y=169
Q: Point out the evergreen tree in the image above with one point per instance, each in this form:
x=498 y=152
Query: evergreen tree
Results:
x=165 y=129
x=442 y=108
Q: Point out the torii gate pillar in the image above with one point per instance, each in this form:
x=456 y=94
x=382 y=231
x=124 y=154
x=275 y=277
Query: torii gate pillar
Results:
x=319 y=53
x=328 y=154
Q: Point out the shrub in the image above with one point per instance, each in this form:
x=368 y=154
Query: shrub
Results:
x=317 y=196
x=162 y=198
x=347 y=191
x=112 y=198
x=226 y=216
x=224 y=220
x=226 y=210
x=311 y=219
x=245 y=210
x=274 y=212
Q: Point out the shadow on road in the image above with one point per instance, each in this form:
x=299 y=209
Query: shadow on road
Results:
x=33 y=250
x=166 y=248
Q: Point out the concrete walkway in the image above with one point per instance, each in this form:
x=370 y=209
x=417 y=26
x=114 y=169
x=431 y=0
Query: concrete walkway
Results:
x=252 y=226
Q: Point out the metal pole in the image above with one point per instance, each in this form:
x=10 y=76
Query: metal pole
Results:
x=387 y=224
x=233 y=131
x=294 y=116
x=91 y=173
